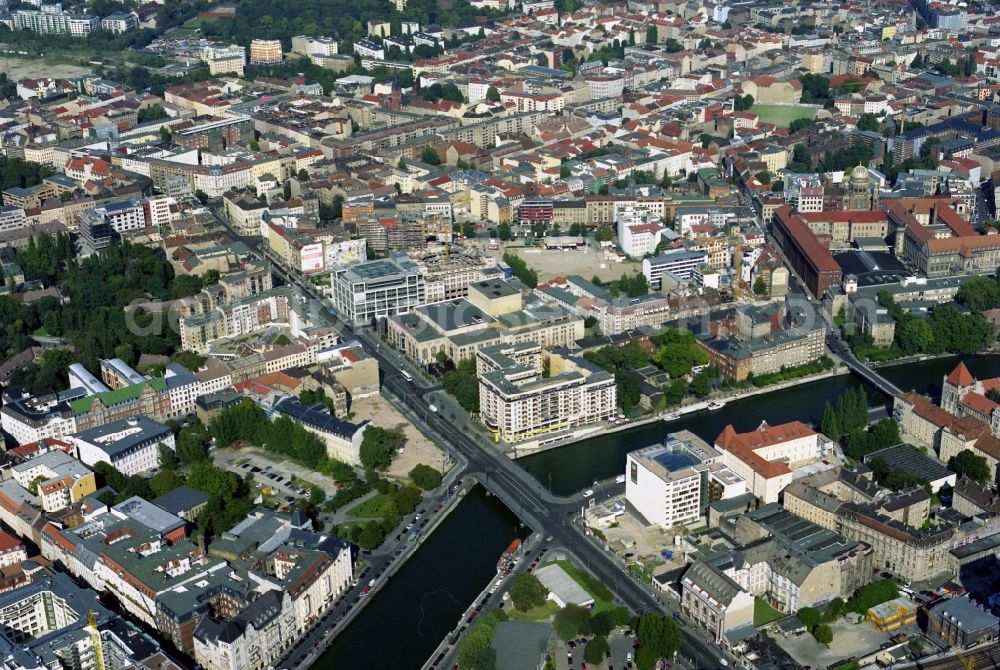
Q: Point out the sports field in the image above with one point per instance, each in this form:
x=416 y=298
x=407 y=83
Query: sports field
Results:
x=783 y=115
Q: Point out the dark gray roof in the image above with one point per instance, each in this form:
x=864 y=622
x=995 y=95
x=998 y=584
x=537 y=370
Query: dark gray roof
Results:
x=181 y=499
x=965 y=613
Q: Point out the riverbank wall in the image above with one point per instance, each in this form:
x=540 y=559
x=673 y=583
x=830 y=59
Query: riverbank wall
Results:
x=562 y=439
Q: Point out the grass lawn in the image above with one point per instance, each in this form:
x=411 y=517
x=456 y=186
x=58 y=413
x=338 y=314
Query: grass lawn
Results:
x=344 y=528
x=782 y=115
x=369 y=509
x=543 y=613
x=41 y=332
x=602 y=601
x=763 y=613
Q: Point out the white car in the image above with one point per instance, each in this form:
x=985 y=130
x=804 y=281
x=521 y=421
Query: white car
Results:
x=588 y=493
x=620 y=479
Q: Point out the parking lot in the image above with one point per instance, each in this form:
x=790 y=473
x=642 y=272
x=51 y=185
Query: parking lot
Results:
x=270 y=473
x=849 y=641
x=569 y=655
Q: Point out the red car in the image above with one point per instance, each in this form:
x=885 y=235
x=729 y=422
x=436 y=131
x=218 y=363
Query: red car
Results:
x=365 y=590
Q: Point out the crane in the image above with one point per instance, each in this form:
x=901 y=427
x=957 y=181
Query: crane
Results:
x=968 y=662
x=95 y=636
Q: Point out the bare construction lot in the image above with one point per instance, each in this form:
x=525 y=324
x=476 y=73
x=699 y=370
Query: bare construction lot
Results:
x=37 y=68
x=586 y=263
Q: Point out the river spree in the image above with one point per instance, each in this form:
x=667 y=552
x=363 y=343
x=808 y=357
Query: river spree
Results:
x=925 y=376
x=422 y=602
x=574 y=467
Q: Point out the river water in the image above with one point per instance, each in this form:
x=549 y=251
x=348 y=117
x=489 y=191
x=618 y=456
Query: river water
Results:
x=422 y=603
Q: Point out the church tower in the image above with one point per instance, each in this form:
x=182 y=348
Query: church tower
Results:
x=956 y=384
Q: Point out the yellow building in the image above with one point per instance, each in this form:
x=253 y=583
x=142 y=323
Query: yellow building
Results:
x=893 y=614
x=494 y=297
x=814 y=62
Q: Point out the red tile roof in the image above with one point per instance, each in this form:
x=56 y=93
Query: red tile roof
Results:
x=961 y=376
x=745 y=445
x=979 y=403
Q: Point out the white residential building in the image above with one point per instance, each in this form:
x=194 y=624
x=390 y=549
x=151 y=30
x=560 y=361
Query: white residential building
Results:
x=517 y=402
x=29 y=418
x=639 y=232
x=131 y=445
x=765 y=457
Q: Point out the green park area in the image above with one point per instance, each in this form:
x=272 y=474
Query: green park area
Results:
x=783 y=115
x=763 y=613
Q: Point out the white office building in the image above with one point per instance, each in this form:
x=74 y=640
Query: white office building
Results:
x=378 y=289
x=680 y=263
x=670 y=484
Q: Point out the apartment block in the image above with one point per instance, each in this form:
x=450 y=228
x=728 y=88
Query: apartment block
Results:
x=517 y=402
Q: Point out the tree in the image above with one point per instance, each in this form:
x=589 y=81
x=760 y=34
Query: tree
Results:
x=675 y=391
x=33 y=484
x=463 y=384
x=468 y=229
x=189 y=360
x=809 y=616
x=869 y=122
x=823 y=634
x=492 y=94
x=425 y=477
x=917 y=62
x=835 y=609
x=151 y=113
x=302 y=175
x=700 y=384
x=968 y=464
x=597 y=650
x=165 y=134
x=870 y=595
x=521 y=269
x=379 y=445
x=604 y=233
x=527 y=592
x=503 y=231
x=651 y=34
x=371 y=536
x=167 y=457
x=164 y=482
x=743 y=103
x=430 y=156
x=760 y=286
x=979 y=293
x=602 y=623
x=660 y=635
x=571 y=621
x=406 y=498
x=914 y=334
x=764 y=177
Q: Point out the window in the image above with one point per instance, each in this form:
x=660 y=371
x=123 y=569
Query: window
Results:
x=635 y=473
